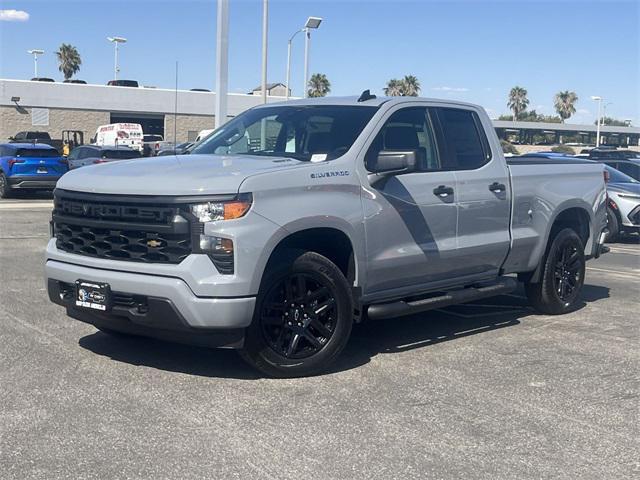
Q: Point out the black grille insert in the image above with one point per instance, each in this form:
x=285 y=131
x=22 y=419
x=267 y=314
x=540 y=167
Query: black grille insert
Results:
x=121 y=230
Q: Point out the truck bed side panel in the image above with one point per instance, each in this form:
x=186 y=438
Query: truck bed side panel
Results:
x=541 y=191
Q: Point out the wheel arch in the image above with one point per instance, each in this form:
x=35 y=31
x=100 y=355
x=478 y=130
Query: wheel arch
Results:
x=574 y=215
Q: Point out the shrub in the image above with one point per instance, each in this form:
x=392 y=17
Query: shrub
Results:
x=563 y=149
x=509 y=148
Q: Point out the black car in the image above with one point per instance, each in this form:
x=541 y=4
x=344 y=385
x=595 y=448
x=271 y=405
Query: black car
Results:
x=123 y=83
x=626 y=161
x=94 y=154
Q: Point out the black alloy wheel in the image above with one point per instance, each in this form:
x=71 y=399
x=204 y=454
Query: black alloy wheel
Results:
x=303 y=316
x=562 y=276
x=298 y=316
x=567 y=273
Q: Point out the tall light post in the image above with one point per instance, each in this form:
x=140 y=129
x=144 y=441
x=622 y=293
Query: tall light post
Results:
x=265 y=36
x=35 y=52
x=289 y=59
x=222 y=62
x=599 y=100
x=312 y=23
x=116 y=41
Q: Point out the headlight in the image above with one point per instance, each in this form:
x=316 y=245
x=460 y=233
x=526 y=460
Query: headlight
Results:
x=215 y=211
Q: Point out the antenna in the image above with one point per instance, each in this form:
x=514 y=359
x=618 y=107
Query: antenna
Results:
x=366 y=95
x=175 y=111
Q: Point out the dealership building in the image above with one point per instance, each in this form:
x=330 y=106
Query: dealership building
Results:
x=54 y=107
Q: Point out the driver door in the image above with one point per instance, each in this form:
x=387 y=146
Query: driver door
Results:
x=411 y=218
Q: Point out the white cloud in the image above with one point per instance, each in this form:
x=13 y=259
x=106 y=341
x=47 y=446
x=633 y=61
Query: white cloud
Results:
x=13 y=16
x=450 y=89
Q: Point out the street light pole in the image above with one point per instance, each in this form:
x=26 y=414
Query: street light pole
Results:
x=116 y=41
x=307 y=37
x=222 y=62
x=312 y=22
x=35 y=52
x=265 y=35
x=599 y=100
x=289 y=59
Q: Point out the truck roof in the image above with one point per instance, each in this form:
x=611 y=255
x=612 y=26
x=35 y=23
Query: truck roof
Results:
x=353 y=101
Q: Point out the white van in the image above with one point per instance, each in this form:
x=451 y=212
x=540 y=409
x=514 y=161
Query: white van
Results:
x=202 y=134
x=129 y=134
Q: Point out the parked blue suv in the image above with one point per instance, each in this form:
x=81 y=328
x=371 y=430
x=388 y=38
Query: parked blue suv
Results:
x=29 y=166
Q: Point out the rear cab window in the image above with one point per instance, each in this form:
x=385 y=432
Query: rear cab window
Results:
x=462 y=138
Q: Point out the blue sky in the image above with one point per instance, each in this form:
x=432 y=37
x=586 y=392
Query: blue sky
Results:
x=468 y=50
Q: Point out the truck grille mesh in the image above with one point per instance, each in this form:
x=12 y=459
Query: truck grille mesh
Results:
x=121 y=231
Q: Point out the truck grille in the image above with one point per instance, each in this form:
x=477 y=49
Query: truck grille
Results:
x=106 y=227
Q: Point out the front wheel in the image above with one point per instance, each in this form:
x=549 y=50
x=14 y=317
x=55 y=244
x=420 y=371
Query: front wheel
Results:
x=562 y=276
x=303 y=317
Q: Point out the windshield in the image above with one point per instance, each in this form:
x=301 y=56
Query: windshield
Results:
x=318 y=132
x=616 y=176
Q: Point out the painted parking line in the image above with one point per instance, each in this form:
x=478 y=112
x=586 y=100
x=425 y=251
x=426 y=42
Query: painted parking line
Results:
x=626 y=250
x=27 y=206
x=633 y=273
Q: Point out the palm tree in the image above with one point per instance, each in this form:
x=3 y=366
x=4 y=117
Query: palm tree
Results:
x=394 y=88
x=69 y=60
x=565 y=104
x=319 y=85
x=518 y=101
x=411 y=86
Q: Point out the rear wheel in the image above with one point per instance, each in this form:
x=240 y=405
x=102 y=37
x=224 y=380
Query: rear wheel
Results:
x=613 y=225
x=5 y=188
x=562 y=277
x=303 y=317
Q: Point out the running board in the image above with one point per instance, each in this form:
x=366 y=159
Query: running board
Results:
x=402 y=307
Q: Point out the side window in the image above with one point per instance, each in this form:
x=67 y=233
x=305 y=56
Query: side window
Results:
x=74 y=154
x=464 y=140
x=630 y=169
x=408 y=129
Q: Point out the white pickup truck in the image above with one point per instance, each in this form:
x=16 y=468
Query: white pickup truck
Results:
x=293 y=221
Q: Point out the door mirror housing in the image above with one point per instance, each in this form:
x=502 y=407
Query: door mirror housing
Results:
x=393 y=162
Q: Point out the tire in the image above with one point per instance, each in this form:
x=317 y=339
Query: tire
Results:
x=613 y=224
x=562 y=276
x=306 y=334
x=5 y=188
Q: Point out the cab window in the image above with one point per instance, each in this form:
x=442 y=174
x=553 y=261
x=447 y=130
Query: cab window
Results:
x=408 y=129
x=463 y=139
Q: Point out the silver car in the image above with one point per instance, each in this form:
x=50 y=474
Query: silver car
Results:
x=623 y=208
x=94 y=154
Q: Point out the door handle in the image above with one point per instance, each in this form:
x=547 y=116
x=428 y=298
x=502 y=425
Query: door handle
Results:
x=496 y=187
x=442 y=191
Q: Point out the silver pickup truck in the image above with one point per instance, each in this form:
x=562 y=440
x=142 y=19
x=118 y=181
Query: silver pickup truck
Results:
x=294 y=220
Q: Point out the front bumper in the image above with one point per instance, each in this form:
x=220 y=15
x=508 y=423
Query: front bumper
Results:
x=33 y=182
x=145 y=316
x=195 y=312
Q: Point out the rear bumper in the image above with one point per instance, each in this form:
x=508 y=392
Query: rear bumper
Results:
x=33 y=182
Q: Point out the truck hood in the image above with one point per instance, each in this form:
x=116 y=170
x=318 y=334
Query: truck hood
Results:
x=172 y=175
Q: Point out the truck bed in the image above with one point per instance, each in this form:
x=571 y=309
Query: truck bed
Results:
x=542 y=186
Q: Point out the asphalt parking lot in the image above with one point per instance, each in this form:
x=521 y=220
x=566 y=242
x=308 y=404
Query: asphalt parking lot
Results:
x=487 y=390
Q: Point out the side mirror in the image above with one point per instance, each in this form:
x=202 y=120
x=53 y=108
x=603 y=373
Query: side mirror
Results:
x=388 y=161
